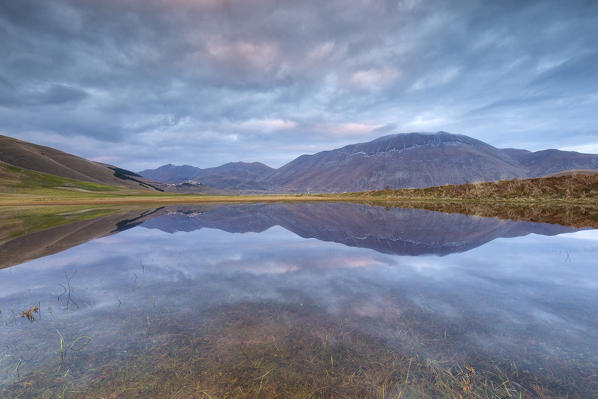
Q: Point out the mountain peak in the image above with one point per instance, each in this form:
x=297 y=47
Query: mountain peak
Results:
x=400 y=160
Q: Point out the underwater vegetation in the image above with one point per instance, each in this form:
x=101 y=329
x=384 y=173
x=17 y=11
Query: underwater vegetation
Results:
x=262 y=351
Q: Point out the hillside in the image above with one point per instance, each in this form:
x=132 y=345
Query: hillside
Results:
x=567 y=186
x=14 y=179
x=54 y=162
x=410 y=160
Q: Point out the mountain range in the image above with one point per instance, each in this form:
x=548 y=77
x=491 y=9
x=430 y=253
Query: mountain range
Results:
x=233 y=175
x=396 y=161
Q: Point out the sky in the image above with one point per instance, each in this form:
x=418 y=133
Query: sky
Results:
x=142 y=83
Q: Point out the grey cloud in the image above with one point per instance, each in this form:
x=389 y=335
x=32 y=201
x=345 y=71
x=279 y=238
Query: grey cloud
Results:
x=131 y=74
x=60 y=94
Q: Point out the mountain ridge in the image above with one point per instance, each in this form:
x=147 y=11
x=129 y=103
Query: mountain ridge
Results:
x=400 y=160
x=403 y=160
x=231 y=175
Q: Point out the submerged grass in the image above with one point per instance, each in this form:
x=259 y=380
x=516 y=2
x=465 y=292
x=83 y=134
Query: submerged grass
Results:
x=261 y=351
x=31 y=313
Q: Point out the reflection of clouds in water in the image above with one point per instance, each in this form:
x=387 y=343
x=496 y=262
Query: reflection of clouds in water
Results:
x=589 y=235
x=433 y=305
x=496 y=293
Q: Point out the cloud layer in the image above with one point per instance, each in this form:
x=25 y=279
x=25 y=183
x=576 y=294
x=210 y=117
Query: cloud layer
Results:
x=146 y=82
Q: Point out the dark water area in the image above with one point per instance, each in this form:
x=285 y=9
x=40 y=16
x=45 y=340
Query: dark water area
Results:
x=304 y=300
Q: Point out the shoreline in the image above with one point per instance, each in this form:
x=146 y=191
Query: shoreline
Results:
x=186 y=199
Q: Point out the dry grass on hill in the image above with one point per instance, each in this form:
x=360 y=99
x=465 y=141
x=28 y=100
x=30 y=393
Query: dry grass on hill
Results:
x=579 y=187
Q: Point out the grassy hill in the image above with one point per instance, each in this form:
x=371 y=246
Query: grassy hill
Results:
x=21 y=180
x=39 y=158
x=20 y=183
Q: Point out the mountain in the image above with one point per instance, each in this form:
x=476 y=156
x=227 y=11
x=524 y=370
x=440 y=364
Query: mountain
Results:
x=233 y=175
x=54 y=162
x=171 y=173
x=398 y=160
x=547 y=162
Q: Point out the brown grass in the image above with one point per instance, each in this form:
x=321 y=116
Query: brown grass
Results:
x=576 y=187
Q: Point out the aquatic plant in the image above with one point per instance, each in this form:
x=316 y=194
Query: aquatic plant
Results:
x=31 y=313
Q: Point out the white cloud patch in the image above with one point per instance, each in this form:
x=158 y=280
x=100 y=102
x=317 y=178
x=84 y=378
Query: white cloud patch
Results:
x=374 y=77
x=258 y=55
x=264 y=125
x=590 y=148
x=427 y=121
x=438 y=78
x=346 y=129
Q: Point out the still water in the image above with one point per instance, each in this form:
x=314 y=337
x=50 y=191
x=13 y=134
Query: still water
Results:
x=303 y=300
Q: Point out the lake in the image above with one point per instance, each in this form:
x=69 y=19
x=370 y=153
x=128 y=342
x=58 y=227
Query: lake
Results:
x=283 y=300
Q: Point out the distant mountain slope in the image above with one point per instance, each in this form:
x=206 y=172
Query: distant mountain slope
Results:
x=399 y=161
x=171 y=173
x=233 y=175
x=51 y=161
x=236 y=175
x=542 y=163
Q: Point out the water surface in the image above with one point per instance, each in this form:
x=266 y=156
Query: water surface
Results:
x=303 y=300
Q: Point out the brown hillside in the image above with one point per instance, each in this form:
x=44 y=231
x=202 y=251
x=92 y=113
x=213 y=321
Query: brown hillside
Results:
x=49 y=160
x=573 y=172
x=573 y=186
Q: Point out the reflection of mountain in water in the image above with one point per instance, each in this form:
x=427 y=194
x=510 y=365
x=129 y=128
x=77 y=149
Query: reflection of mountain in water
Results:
x=57 y=239
x=396 y=230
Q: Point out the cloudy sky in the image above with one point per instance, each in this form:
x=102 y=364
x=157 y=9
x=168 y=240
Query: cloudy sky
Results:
x=141 y=83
